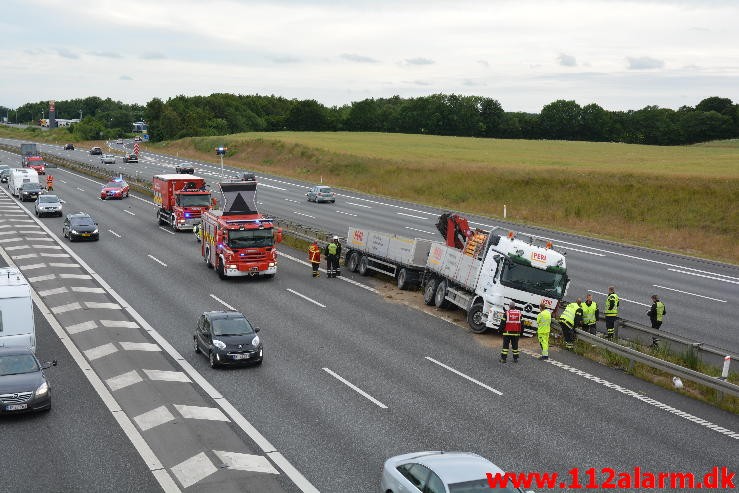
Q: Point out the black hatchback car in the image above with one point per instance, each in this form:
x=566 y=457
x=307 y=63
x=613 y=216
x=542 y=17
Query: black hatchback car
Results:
x=227 y=338
x=23 y=385
x=80 y=226
x=30 y=191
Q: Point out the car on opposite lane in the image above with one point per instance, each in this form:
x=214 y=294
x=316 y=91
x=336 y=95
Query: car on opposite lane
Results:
x=80 y=226
x=48 y=204
x=119 y=141
x=23 y=385
x=440 y=472
x=184 y=168
x=131 y=158
x=96 y=151
x=137 y=139
x=321 y=193
x=107 y=159
x=30 y=191
x=227 y=338
x=116 y=188
x=69 y=147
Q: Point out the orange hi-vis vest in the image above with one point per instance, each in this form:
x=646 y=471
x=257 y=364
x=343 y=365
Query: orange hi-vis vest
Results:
x=314 y=253
x=513 y=322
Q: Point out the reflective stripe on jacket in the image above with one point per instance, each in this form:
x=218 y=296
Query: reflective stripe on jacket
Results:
x=544 y=322
x=612 y=305
x=314 y=253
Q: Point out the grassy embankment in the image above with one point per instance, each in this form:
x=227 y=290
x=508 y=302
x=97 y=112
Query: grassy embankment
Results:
x=683 y=199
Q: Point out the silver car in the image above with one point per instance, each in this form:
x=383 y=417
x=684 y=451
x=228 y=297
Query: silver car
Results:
x=321 y=193
x=108 y=159
x=48 y=204
x=439 y=472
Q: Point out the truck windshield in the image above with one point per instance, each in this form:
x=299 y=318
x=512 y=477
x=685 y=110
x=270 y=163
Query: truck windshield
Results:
x=193 y=200
x=250 y=238
x=527 y=278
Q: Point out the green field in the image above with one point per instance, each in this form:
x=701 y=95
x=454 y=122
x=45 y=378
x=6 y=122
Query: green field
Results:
x=683 y=199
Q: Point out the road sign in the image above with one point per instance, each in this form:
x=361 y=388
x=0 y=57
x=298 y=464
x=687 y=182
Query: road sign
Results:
x=135 y=147
x=146 y=137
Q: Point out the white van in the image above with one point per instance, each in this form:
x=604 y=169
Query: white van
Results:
x=17 y=327
x=19 y=176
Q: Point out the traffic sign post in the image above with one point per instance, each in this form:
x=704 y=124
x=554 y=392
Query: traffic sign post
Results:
x=221 y=151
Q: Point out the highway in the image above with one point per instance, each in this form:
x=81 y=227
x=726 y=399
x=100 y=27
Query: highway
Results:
x=425 y=383
x=699 y=294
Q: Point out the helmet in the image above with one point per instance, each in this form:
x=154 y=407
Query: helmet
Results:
x=336 y=237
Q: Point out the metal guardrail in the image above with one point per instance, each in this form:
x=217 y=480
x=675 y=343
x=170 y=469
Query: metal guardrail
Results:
x=636 y=356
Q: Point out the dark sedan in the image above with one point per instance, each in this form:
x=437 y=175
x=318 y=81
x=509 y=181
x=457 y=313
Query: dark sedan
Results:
x=23 y=385
x=30 y=191
x=80 y=226
x=131 y=158
x=227 y=338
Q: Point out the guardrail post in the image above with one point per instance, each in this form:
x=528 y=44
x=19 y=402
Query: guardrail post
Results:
x=724 y=375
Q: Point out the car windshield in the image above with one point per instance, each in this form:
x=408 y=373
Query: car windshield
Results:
x=478 y=486
x=232 y=327
x=251 y=238
x=82 y=221
x=48 y=199
x=14 y=364
x=31 y=186
x=194 y=200
x=115 y=184
x=531 y=279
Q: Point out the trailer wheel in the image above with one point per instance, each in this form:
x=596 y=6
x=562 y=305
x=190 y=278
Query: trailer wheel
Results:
x=439 y=299
x=352 y=262
x=430 y=291
x=476 y=319
x=363 y=266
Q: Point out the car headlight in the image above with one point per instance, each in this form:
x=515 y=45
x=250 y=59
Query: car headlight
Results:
x=74 y=231
x=255 y=341
x=219 y=344
x=95 y=232
x=42 y=389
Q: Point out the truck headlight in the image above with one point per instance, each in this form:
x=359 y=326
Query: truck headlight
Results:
x=42 y=390
x=231 y=266
x=219 y=344
x=271 y=264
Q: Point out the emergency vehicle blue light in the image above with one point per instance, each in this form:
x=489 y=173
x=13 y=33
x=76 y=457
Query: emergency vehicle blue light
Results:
x=187 y=214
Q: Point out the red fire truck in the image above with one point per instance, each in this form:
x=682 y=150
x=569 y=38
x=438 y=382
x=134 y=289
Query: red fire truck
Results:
x=182 y=199
x=237 y=239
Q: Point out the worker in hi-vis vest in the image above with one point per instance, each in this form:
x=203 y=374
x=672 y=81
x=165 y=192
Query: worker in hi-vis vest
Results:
x=571 y=317
x=589 y=314
x=611 y=312
x=511 y=326
x=543 y=327
x=656 y=314
x=333 y=253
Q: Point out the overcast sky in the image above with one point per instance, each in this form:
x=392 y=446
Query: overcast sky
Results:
x=620 y=54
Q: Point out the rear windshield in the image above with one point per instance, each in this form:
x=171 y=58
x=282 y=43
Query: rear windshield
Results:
x=324 y=189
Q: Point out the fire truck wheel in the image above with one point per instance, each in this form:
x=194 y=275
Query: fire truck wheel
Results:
x=430 y=291
x=195 y=345
x=220 y=269
x=353 y=262
x=363 y=266
x=439 y=299
x=475 y=318
x=162 y=222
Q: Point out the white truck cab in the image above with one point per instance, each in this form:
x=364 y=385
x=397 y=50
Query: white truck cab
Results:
x=17 y=326
x=19 y=176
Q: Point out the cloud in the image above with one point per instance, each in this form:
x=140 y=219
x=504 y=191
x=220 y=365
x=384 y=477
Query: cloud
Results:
x=357 y=58
x=567 y=60
x=63 y=52
x=418 y=61
x=644 y=63
x=105 y=54
x=152 y=56
x=286 y=59
x=125 y=77
x=419 y=83
x=483 y=63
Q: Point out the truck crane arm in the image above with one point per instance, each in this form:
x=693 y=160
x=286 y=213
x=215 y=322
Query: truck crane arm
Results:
x=455 y=229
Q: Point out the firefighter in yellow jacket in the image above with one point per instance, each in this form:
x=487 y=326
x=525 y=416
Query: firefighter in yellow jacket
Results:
x=314 y=255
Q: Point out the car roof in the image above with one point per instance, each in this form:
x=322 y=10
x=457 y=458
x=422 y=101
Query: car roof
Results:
x=453 y=467
x=219 y=314
x=6 y=351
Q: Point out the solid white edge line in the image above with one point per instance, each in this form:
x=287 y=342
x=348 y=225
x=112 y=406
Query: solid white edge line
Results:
x=685 y=292
x=705 y=275
x=156 y=260
x=306 y=298
x=355 y=388
x=222 y=302
x=464 y=376
x=137 y=440
x=211 y=391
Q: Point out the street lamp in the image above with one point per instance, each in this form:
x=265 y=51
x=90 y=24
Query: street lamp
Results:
x=80 y=115
x=221 y=151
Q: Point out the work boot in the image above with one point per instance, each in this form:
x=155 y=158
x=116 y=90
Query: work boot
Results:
x=515 y=360
x=502 y=359
x=543 y=358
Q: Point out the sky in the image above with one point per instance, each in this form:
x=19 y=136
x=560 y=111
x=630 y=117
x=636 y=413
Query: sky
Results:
x=620 y=54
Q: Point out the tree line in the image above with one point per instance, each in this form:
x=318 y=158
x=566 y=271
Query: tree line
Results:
x=438 y=114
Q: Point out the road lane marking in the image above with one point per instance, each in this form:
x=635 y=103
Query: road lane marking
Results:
x=346 y=213
x=119 y=324
x=272 y=186
x=686 y=292
x=306 y=215
x=102 y=306
x=156 y=260
x=124 y=380
x=355 y=388
x=100 y=351
x=246 y=462
x=66 y=308
x=387 y=205
x=114 y=233
x=707 y=276
x=194 y=469
x=80 y=189
x=201 y=412
x=293 y=201
x=166 y=230
x=154 y=418
x=84 y=289
x=359 y=205
x=306 y=298
x=621 y=299
x=140 y=346
x=222 y=302
x=21 y=257
x=47 y=277
x=49 y=292
x=464 y=376
x=75 y=276
x=570 y=249
x=81 y=327
x=341 y=278
x=419 y=230
x=129 y=212
x=167 y=376
x=410 y=215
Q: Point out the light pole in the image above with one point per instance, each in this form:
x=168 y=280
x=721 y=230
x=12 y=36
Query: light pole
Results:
x=221 y=151
x=80 y=115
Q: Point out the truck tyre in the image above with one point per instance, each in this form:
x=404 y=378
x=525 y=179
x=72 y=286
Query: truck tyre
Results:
x=352 y=263
x=162 y=222
x=475 y=318
x=363 y=266
x=403 y=281
x=220 y=268
x=439 y=299
x=206 y=259
x=429 y=291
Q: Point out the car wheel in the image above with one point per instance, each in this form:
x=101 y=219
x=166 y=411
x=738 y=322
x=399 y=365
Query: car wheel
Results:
x=353 y=261
x=430 y=291
x=333 y=201
x=37 y=214
x=363 y=268
x=195 y=345
x=212 y=360
x=475 y=319
x=439 y=297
